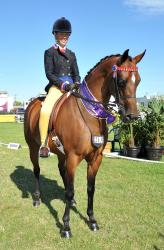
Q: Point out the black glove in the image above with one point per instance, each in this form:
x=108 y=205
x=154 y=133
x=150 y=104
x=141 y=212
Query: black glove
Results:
x=70 y=87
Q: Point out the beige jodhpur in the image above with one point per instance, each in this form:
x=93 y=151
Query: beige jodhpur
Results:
x=47 y=106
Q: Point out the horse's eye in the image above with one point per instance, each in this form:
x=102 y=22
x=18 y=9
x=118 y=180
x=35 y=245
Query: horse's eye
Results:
x=121 y=82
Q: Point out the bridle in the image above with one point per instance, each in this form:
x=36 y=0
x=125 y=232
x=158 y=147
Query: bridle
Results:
x=115 y=69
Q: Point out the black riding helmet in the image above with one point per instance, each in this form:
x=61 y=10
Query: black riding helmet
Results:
x=62 y=25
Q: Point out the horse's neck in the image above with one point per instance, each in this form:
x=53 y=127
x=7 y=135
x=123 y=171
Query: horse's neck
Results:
x=99 y=80
x=95 y=84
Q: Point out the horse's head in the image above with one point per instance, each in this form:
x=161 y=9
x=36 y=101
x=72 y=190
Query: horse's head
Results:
x=117 y=76
x=126 y=79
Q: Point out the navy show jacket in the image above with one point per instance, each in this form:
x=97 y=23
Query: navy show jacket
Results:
x=58 y=64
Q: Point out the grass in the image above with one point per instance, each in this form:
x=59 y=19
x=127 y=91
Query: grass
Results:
x=129 y=203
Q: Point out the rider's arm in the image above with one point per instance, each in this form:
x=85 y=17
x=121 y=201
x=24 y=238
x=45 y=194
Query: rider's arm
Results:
x=49 y=69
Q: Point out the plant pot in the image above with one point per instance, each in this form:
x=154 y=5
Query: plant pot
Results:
x=154 y=154
x=133 y=151
x=143 y=153
x=162 y=148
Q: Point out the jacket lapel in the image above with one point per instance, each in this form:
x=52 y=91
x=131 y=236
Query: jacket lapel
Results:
x=67 y=54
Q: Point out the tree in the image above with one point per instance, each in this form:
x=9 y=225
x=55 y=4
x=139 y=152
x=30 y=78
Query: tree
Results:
x=18 y=103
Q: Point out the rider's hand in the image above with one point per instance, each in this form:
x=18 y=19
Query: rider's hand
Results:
x=66 y=86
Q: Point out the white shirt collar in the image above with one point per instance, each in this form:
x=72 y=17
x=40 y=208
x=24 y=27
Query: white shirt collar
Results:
x=58 y=46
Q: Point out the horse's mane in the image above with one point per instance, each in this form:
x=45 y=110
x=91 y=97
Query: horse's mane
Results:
x=102 y=60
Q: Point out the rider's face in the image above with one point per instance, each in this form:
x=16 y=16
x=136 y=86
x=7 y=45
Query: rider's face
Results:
x=62 y=38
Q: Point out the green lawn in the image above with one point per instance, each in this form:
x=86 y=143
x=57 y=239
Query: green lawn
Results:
x=129 y=203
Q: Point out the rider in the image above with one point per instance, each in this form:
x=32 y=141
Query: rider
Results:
x=63 y=74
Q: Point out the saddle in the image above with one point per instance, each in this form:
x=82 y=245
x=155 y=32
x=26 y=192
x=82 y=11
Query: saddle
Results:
x=56 y=109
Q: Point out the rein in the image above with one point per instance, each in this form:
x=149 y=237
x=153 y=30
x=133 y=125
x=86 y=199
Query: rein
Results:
x=108 y=106
x=93 y=106
x=105 y=104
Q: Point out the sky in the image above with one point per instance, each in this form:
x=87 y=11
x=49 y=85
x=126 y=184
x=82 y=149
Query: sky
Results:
x=100 y=28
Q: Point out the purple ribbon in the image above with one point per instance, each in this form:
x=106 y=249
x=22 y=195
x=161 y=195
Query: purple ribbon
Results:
x=95 y=109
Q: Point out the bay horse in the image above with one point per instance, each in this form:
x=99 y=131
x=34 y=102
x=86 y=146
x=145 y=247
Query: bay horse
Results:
x=74 y=126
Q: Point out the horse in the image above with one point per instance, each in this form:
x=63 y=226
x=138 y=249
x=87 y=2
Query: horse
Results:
x=76 y=132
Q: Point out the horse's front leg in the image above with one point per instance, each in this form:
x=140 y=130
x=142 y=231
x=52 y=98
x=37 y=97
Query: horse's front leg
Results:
x=71 y=164
x=62 y=171
x=91 y=177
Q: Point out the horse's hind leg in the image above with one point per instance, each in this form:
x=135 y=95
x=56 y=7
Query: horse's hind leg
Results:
x=62 y=167
x=93 y=167
x=34 y=149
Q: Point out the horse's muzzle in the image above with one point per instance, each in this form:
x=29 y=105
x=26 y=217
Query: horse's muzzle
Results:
x=127 y=116
x=130 y=117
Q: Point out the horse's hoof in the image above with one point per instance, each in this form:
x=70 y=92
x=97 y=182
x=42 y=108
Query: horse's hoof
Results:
x=93 y=226
x=66 y=233
x=36 y=203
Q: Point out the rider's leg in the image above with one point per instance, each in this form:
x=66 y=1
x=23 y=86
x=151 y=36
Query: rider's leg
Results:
x=47 y=106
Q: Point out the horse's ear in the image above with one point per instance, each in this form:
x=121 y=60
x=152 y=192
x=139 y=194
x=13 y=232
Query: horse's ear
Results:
x=124 y=57
x=138 y=58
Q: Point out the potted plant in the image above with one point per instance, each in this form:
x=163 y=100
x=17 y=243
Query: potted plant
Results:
x=129 y=138
x=153 y=128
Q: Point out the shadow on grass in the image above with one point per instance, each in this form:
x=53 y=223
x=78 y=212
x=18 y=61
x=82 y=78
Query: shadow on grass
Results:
x=80 y=215
x=50 y=190
x=160 y=236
